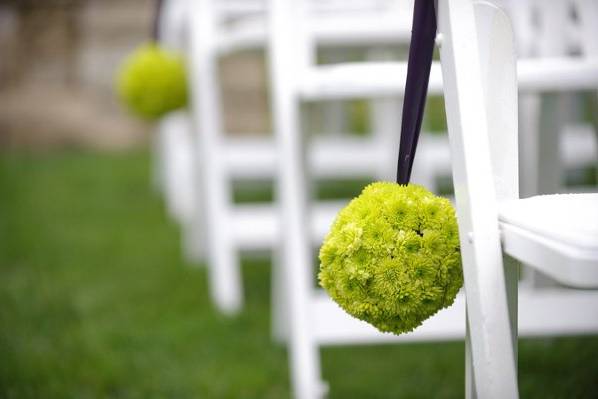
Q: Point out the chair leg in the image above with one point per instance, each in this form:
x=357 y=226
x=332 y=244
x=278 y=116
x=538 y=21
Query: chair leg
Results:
x=223 y=258
x=279 y=302
x=225 y=277
x=194 y=230
x=386 y=126
x=529 y=110
x=192 y=243
x=550 y=171
x=296 y=253
x=157 y=177
x=303 y=349
x=470 y=388
x=292 y=195
x=223 y=261
x=548 y=164
x=512 y=268
x=512 y=283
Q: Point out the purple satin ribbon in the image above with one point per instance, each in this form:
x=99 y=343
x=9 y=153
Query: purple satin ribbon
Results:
x=423 y=33
x=155 y=33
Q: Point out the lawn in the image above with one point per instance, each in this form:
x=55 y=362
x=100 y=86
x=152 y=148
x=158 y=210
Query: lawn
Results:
x=96 y=302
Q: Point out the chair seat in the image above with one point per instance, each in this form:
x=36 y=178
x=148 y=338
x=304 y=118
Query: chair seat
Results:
x=556 y=234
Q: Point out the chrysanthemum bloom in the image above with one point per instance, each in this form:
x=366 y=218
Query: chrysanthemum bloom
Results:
x=392 y=256
x=153 y=82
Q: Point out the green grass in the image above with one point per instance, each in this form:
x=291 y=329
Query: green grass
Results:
x=96 y=302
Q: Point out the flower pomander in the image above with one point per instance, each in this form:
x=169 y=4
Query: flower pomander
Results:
x=153 y=82
x=392 y=256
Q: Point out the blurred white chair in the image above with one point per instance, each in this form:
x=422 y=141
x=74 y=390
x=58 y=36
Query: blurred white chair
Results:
x=548 y=32
x=561 y=28
x=174 y=172
x=216 y=30
x=551 y=140
x=557 y=234
x=313 y=319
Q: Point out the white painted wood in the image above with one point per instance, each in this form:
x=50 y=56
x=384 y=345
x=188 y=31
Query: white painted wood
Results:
x=587 y=10
x=173 y=24
x=499 y=79
x=588 y=15
x=177 y=158
x=488 y=313
x=158 y=176
x=557 y=234
x=364 y=25
x=578 y=145
x=470 y=384
x=386 y=125
x=568 y=264
x=350 y=157
x=577 y=310
x=544 y=120
x=352 y=80
x=542 y=172
x=432 y=160
x=333 y=326
x=258 y=226
x=553 y=16
x=171 y=36
x=337 y=156
x=386 y=119
x=553 y=115
x=291 y=192
x=529 y=111
x=224 y=275
x=558 y=237
x=388 y=78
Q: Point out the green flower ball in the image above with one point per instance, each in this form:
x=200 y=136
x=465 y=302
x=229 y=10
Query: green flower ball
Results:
x=153 y=82
x=392 y=256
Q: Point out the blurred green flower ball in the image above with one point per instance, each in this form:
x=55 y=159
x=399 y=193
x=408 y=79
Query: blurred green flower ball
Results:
x=153 y=82
x=392 y=256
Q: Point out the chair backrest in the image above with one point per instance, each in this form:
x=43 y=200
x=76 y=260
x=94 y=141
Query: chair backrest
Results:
x=554 y=28
x=499 y=81
x=338 y=23
x=478 y=63
x=587 y=11
x=173 y=24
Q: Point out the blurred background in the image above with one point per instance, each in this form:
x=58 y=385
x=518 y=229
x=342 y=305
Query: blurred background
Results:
x=96 y=299
x=58 y=66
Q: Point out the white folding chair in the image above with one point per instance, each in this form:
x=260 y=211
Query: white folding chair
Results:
x=550 y=142
x=562 y=28
x=566 y=31
x=174 y=171
x=555 y=234
x=227 y=227
x=313 y=319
